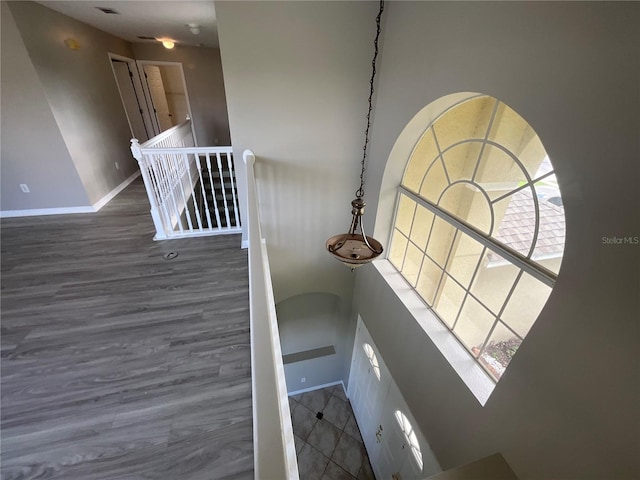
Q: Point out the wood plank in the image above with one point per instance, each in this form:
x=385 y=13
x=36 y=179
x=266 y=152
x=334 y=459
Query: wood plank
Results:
x=118 y=363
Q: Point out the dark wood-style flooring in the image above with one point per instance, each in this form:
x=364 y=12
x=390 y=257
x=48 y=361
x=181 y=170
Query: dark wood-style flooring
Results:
x=116 y=362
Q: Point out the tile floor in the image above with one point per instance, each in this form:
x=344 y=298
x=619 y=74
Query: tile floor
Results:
x=330 y=447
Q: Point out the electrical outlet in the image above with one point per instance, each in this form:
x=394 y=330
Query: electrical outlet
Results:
x=117 y=166
x=303 y=379
x=25 y=188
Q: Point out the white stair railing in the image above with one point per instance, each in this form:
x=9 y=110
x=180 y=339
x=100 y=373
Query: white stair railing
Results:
x=192 y=190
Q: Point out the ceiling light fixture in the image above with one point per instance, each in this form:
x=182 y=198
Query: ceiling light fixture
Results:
x=194 y=27
x=351 y=248
x=167 y=43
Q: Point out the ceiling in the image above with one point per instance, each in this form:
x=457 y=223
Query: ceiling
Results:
x=158 y=19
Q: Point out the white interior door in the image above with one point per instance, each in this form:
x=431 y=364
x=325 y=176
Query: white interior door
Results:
x=132 y=98
x=404 y=451
x=368 y=385
x=394 y=445
x=158 y=96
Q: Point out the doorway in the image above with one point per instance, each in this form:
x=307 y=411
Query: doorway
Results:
x=166 y=90
x=154 y=95
x=396 y=447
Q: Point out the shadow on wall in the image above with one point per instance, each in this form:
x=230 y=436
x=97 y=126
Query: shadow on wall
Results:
x=313 y=328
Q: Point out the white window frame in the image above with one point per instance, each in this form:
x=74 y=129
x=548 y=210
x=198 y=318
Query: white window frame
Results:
x=468 y=368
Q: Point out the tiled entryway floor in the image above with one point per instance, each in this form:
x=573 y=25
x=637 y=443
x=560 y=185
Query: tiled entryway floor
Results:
x=330 y=447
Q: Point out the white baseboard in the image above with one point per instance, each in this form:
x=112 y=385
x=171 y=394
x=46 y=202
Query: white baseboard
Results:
x=109 y=196
x=71 y=210
x=318 y=387
x=46 y=211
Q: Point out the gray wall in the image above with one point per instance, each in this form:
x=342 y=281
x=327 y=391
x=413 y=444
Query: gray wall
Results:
x=296 y=76
x=82 y=93
x=307 y=322
x=205 y=85
x=37 y=155
x=567 y=407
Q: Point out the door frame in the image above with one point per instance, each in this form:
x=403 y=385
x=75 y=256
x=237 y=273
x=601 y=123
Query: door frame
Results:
x=147 y=92
x=390 y=400
x=139 y=91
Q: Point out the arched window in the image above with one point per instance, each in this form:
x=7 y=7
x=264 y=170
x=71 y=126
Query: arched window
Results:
x=410 y=437
x=373 y=359
x=479 y=227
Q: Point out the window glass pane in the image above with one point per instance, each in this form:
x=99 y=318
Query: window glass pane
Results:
x=421 y=226
x=404 y=218
x=533 y=155
x=373 y=359
x=461 y=160
x=515 y=218
x=525 y=304
x=497 y=172
x=510 y=129
x=421 y=159
x=465 y=255
x=499 y=350
x=412 y=263
x=467 y=202
x=410 y=437
x=494 y=281
x=440 y=241
x=415 y=449
x=474 y=324
x=397 y=249
x=434 y=183
x=467 y=120
x=429 y=280
x=549 y=246
x=450 y=297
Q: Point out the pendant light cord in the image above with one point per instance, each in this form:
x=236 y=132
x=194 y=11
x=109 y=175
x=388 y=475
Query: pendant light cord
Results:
x=360 y=191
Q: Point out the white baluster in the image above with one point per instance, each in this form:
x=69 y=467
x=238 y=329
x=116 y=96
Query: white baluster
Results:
x=204 y=193
x=233 y=188
x=155 y=214
x=213 y=193
x=185 y=158
x=224 y=192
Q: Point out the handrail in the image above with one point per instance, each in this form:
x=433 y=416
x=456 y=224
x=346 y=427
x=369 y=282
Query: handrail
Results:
x=158 y=139
x=271 y=414
x=186 y=149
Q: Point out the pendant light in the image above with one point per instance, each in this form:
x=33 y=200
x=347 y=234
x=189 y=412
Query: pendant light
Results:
x=351 y=248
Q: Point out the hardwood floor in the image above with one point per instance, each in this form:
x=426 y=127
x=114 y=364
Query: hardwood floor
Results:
x=116 y=362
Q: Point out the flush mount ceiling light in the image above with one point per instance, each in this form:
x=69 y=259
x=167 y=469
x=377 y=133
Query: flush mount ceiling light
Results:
x=194 y=27
x=167 y=43
x=351 y=248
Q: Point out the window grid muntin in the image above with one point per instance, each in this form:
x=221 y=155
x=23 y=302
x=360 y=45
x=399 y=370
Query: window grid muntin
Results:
x=525 y=264
x=444 y=272
x=487 y=246
x=468 y=292
x=497 y=318
x=373 y=359
x=482 y=191
x=411 y=438
x=530 y=181
x=530 y=266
